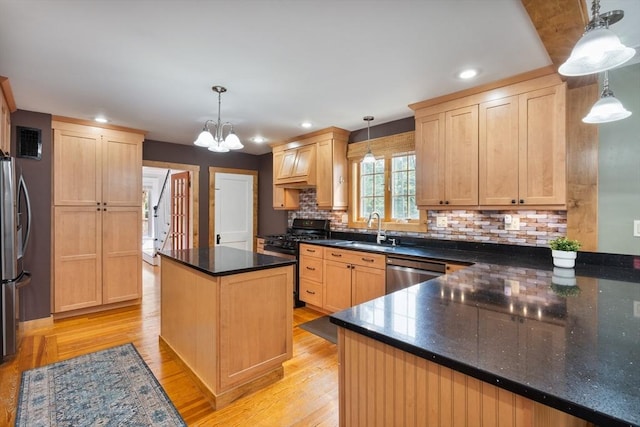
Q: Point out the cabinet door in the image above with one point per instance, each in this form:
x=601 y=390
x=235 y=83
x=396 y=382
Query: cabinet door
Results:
x=77 y=257
x=430 y=160
x=305 y=161
x=331 y=174
x=461 y=157
x=337 y=286
x=498 y=152
x=543 y=146
x=284 y=163
x=285 y=198
x=311 y=292
x=77 y=174
x=366 y=284
x=122 y=169
x=122 y=254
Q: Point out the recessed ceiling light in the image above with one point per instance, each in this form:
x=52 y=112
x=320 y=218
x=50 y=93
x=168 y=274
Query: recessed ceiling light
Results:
x=306 y=125
x=468 y=74
x=258 y=139
x=101 y=120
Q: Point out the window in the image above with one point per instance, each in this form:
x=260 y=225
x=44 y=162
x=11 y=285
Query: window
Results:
x=388 y=187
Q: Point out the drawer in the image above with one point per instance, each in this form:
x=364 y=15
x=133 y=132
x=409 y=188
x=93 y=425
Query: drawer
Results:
x=356 y=257
x=311 y=250
x=311 y=292
x=311 y=268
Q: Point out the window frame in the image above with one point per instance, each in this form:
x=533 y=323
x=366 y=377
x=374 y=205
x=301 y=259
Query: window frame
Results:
x=358 y=222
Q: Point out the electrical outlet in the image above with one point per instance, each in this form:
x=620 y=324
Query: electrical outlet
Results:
x=636 y=228
x=514 y=224
x=441 y=221
x=636 y=309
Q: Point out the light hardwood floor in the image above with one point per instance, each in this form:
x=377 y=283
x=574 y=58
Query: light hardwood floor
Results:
x=306 y=396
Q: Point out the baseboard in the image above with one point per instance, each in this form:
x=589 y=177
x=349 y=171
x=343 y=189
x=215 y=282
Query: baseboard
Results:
x=31 y=325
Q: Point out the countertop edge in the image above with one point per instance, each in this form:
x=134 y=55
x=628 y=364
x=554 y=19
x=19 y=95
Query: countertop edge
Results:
x=285 y=262
x=515 y=387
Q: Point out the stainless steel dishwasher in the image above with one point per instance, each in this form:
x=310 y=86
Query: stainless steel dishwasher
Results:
x=404 y=272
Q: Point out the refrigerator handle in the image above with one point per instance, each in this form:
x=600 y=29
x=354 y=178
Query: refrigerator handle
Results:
x=22 y=187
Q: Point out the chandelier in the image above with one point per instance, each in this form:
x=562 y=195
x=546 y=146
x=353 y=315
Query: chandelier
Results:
x=215 y=141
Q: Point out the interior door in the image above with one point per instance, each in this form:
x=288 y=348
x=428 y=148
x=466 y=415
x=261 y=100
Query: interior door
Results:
x=180 y=188
x=234 y=210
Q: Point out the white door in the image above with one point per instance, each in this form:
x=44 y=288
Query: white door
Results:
x=234 y=210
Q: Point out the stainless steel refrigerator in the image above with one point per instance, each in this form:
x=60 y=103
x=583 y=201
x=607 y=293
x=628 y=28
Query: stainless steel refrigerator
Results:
x=14 y=235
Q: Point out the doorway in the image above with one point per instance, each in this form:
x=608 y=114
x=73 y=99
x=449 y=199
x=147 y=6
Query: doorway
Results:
x=162 y=217
x=233 y=208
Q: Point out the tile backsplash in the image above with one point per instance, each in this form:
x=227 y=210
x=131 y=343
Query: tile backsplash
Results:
x=536 y=227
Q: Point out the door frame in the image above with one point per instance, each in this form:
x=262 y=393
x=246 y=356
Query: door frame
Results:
x=212 y=200
x=194 y=171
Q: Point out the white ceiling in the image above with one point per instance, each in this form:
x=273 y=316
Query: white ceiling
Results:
x=150 y=64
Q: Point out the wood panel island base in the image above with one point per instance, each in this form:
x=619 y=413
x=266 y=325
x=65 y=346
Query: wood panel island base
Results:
x=227 y=314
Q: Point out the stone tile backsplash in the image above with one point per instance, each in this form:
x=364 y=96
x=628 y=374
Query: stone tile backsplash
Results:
x=536 y=227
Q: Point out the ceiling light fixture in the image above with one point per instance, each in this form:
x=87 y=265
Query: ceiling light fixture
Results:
x=306 y=125
x=598 y=49
x=258 y=139
x=468 y=74
x=101 y=120
x=369 y=157
x=215 y=142
x=607 y=108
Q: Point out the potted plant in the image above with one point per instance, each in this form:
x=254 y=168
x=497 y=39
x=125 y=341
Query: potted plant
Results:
x=564 y=252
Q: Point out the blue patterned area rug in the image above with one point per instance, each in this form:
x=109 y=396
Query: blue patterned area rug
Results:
x=112 y=387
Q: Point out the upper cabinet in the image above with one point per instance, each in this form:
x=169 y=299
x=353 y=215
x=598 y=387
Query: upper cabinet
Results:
x=7 y=105
x=502 y=148
x=96 y=166
x=315 y=160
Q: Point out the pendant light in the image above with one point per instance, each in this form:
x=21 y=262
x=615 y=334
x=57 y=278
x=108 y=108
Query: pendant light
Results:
x=608 y=108
x=598 y=49
x=369 y=157
x=216 y=142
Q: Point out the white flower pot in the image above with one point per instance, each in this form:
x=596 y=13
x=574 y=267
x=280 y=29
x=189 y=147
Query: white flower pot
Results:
x=564 y=259
x=564 y=276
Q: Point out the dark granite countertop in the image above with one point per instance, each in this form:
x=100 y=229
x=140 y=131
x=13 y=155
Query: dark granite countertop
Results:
x=508 y=321
x=223 y=261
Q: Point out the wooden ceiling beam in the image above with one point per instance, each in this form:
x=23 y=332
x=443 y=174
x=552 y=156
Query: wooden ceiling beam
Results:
x=560 y=24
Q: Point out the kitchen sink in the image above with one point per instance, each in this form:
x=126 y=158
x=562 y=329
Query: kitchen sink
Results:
x=364 y=245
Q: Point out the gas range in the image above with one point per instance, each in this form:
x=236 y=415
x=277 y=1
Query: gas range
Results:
x=301 y=230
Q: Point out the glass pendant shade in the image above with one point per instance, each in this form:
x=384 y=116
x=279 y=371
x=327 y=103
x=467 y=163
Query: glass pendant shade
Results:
x=598 y=50
x=218 y=147
x=369 y=157
x=607 y=109
x=205 y=139
x=232 y=142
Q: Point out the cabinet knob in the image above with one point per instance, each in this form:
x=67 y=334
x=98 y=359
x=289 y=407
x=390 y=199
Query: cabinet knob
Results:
x=521 y=200
x=446 y=202
x=513 y=201
x=98 y=203
x=98 y=209
x=441 y=201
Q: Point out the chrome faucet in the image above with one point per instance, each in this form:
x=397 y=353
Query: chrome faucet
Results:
x=380 y=237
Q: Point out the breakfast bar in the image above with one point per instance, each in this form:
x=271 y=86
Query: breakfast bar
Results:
x=492 y=345
x=227 y=315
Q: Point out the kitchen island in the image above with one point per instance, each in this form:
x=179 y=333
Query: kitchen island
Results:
x=494 y=345
x=227 y=314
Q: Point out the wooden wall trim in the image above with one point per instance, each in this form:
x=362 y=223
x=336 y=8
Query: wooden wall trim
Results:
x=96 y=124
x=8 y=93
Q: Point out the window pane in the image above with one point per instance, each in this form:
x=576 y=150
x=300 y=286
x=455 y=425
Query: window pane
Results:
x=372 y=191
x=367 y=186
x=379 y=168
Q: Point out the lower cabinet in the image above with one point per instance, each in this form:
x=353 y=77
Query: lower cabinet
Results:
x=336 y=279
x=97 y=256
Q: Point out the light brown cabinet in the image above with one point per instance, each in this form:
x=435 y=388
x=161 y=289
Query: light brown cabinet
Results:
x=505 y=147
x=523 y=150
x=334 y=279
x=352 y=277
x=97 y=217
x=297 y=166
x=315 y=160
x=5 y=117
x=447 y=158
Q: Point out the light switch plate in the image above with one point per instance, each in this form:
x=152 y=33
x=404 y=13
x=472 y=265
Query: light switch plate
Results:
x=441 y=221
